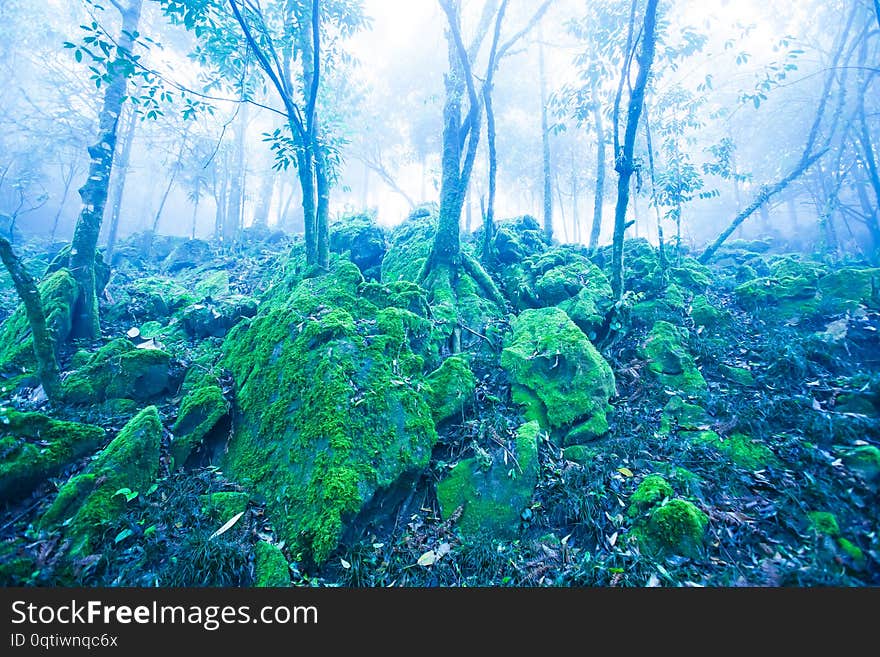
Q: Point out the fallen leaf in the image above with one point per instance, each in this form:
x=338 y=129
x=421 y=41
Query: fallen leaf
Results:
x=626 y=472
x=427 y=559
x=133 y=332
x=226 y=527
x=612 y=539
x=344 y=563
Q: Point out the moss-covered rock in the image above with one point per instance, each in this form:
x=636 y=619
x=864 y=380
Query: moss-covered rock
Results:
x=739 y=448
x=692 y=275
x=679 y=415
x=408 y=246
x=364 y=242
x=34 y=447
x=738 y=375
x=270 y=567
x=789 y=289
x=119 y=370
x=704 y=313
x=452 y=388
x=58 y=293
x=188 y=254
x=652 y=490
x=144 y=299
x=847 y=288
x=864 y=460
x=678 y=527
x=557 y=373
x=492 y=495
x=824 y=522
x=89 y=500
x=214 y=318
x=200 y=411
x=669 y=360
x=329 y=409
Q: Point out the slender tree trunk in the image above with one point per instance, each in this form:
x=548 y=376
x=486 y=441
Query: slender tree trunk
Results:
x=267 y=190
x=234 y=209
x=545 y=147
x=661 y=246
x=117 y=189
x=624 y=166
x=86 y=323
x=322 y=217
x=489 y=213
x=598 y=199
x=195 y=215
x=44 y=347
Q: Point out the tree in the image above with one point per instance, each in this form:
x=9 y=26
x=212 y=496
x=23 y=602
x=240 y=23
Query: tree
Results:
x=94 y=192
x=624 y=163
x=44 y=349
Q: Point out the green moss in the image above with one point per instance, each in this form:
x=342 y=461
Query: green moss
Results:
x=34 y=447
x=739 y=375
x=739 y=448
x=849 y=287
x=852 y=550
x=824 y=522
x=148 y=298
x=557 y=370
x=223 y=505
x=58 y=293
x=89 y=500
x=652 y=490
x=669 y=360
x=704 y=313
x=119 y=370
x=270 y=567
x=678 y=527
x=408 y=247
x=691 y=274
x=492 y=498
x=199 y=412
x=585 y=432
x=214 y=285
x=325 y=418
x=452 y=388
x=864 y=460
x=681 y=415
x=790 y=288
x=580 y=454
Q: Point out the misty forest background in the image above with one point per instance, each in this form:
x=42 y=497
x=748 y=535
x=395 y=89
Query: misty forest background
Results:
x=447 y=292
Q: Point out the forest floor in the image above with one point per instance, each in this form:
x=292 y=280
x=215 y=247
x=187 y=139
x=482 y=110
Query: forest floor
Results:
x=779 y=453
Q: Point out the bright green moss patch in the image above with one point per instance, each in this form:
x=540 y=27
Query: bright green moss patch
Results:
x=852 y=550
x=738 y=447
x=824 y=522
x=556 y=370
x=90 y=500
x=199 y=412
x=678 y=527
x=270 y=567
x=704 y=313
x=739 y=375
x=652 y=490
x=492 y=496
x=864 y=460
x=325 y=416
x=452 y=388
x=215 y=285
x=669 y=360
x=34 y=447
x=58 y=293
x=681 y=415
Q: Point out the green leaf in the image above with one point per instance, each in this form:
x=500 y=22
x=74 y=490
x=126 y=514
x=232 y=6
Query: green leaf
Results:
x=121 y=536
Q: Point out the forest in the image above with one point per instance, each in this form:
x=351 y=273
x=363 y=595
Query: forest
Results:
x=439 y=293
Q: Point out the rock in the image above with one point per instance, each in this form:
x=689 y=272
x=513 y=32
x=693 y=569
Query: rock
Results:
x=215 y=285
x=492 y=496
x=847 y=288
x=691 y=275
x=669 y=360
x=34 y=447
x=214 y=318
x=864 y=460
x=199 y=413
x=58 y=292
x=678 y=527
x=558 y=374
x=147 y=299
x=452 y=388
x=704 y=313
x=739 y=448
x=518 y=238
x=190 y=253
x=89 y=500
x=270 y=567
x=679 y=415
x=325 y=416
x=789 y=289
x=119 y=370
x=738 y=375
x=408 y=247
x=364 y=242
x=652 y=490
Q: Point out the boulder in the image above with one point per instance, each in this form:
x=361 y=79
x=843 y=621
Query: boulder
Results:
x=558 y=374
x=669 y=360
x=329 y=408
x=452 y=388
x=364 y=242
x=270 y=567
x=199 y=413
x=214 y=318
x=190 y=253
x=34 y=447
x=96 y=496
x=492 y=491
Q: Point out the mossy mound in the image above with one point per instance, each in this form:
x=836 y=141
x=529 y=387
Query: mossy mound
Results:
x=558 y=374
x=739 y=448
x=409 y=246
x=669 y=360
x=452 y=387
x=824 y=522
x=214 y=317
x=847 y=288
x=691 y=275
x=89 y=500
x=58 y=293
x=678 y=527
x=119 y=370
x=224 y=505
x=704 y=313
x=516 y=239
x=199 y=413
x=34 y=447
x=789 y=289
x=493 y=493
x=147 y=299
x=679 y=415
x=652 y=490
x=864 y=460
x=329 y=408
x=270 y=567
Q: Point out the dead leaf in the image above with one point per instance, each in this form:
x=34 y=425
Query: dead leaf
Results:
x=626 y=472
x=133 y=332
x=344 y=563
x=226 y=527
x=612 y=539
x=427 y=559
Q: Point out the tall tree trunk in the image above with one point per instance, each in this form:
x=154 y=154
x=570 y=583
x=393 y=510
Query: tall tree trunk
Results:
x=117 y=189
x=67 y=178
x=661 y=246
x=489 y=213
x=267 y=190
x=44 y=347
x=195 y=215
x=86 y=323
x=625 y=165
x=322 y=211
x=545 y=146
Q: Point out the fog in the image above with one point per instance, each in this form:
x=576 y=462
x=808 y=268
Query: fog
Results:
x=732 y=100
